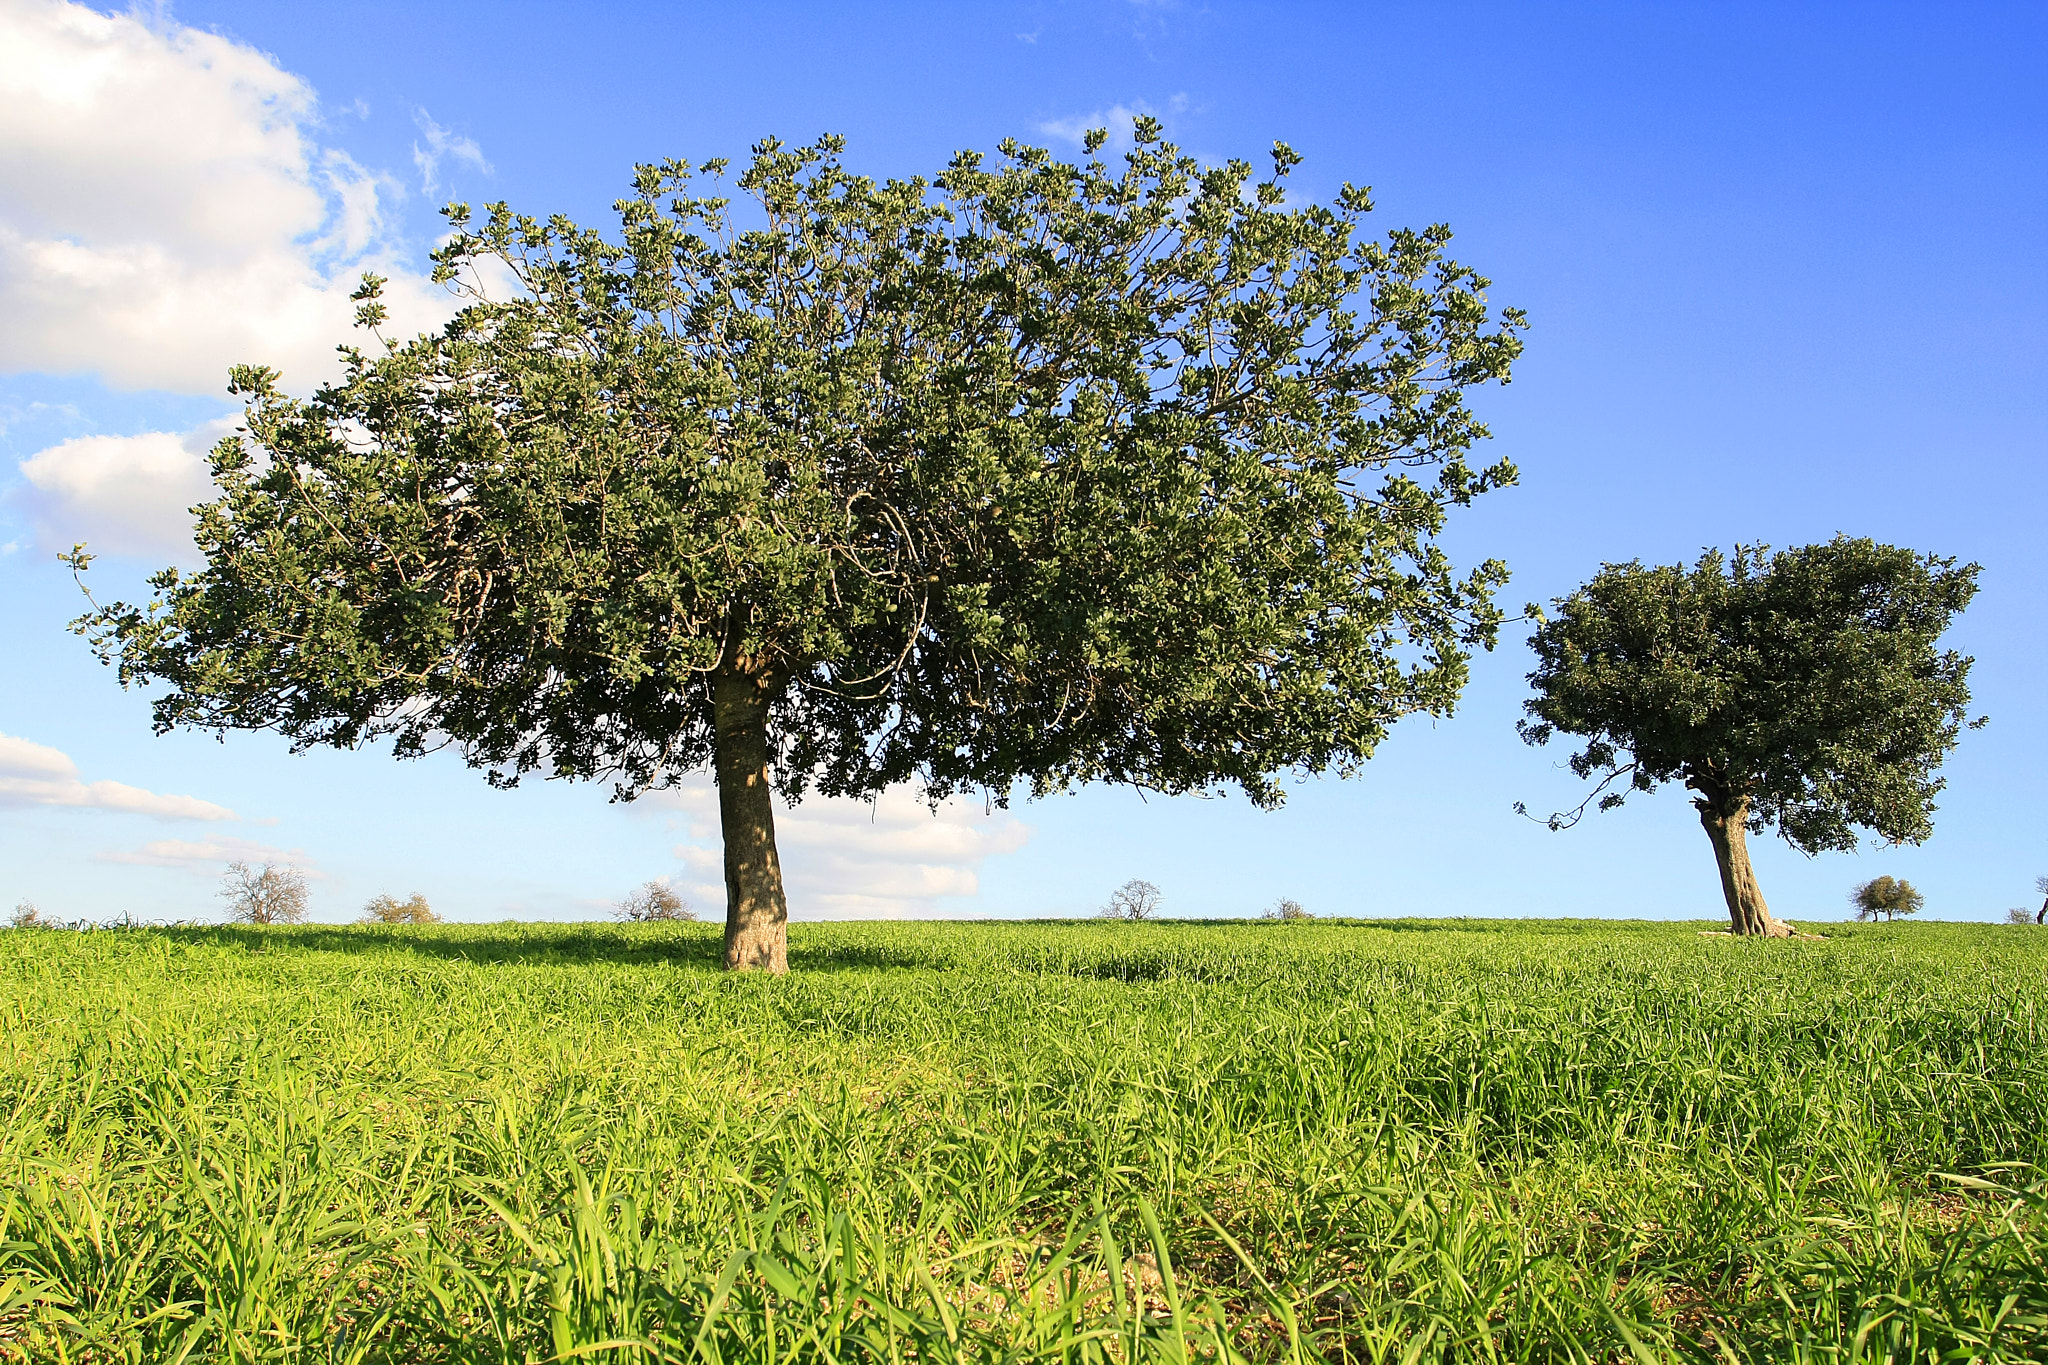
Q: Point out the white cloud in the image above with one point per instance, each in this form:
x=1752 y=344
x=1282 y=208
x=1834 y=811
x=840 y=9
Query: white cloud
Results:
x=206 y=855
x=1118 y=120
x=440 y=143
x=847 y=859
x=14 y=414
x=34 y=774
x=166 y=212
x=121 y=494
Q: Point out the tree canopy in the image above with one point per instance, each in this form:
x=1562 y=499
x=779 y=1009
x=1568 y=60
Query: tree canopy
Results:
x=1029 y=473
x=1801 y=689
x=1888 y=896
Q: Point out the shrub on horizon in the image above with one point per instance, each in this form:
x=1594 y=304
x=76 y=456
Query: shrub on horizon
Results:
x=267 y=895
x=1287 y=908
x=385 y=909
x=1887 y=896
x=1135 y=899
x=656 y=900
x=2019 y=914
x=28 y=915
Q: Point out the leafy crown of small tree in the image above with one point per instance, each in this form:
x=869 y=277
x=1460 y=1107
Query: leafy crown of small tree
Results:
x=1887 y=896
x=1805 y=683
x=388 y=909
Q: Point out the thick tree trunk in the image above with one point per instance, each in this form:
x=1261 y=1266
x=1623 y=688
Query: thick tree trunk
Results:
x=756 y=915
x=1726 y=820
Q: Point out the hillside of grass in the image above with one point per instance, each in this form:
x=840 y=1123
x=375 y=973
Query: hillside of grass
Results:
x=1399 y=1140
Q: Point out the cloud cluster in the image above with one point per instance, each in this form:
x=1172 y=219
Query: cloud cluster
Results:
x=847 y=859
x=121 y=494
x=209 y=855
x=440 y=143
x=166 y=211
x=1118 y=121
x=34 y=774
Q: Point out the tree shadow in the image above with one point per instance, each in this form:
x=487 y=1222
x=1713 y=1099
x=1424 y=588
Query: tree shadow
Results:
x=1110 y=949
x=1504 y=924
x=503 y=944
x=693 y=946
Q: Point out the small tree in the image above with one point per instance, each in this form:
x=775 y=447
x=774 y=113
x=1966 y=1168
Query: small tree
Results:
x=1287 y=909
x=2019 y=914
x=386 y=909
x=1886 y=896
x=2041 y=885
x=28 y=915
x=657 y=900
x=1135 y=899
x=1027 y=475
x=1801 y=689
x=272 y=894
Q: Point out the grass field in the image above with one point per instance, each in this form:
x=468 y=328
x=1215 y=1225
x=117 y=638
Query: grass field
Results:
x=1403 y=1140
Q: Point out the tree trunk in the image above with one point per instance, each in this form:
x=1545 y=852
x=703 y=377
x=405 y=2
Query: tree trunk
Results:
x=756 y=915
x=1726 y=820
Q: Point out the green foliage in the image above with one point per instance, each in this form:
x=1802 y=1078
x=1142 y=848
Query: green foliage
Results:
x=272 y=894
x=387 y=909
x=1393 y=1141
x=1803 y=686
x=656 y=900
x=1887 y=896
x=1030 y=472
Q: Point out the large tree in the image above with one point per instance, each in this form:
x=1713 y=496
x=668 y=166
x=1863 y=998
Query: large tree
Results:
x=1034 y=472
x=1801 y=689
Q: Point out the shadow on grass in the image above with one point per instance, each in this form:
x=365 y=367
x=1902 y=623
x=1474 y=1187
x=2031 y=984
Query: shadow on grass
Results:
x=561 y=944
x=1107 y=949
x=699 y=946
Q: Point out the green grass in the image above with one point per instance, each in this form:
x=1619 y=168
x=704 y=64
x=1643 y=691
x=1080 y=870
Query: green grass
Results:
x=1404 y=1140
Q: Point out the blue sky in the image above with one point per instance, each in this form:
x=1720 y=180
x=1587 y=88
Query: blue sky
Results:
x=1784 y=266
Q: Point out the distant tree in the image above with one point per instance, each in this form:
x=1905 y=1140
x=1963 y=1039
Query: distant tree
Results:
x=1287 y=909
x=1886 y=896
x=272 y=894
x=2019 y=914
x=28 y=915
x=656 y=900
x=1135 y=899
x=1801 y=689
x=2041 y=885
x=391 y=910
x=1032 y=473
